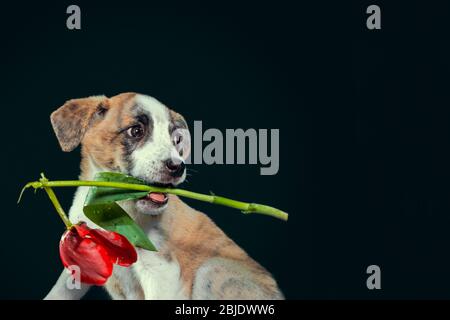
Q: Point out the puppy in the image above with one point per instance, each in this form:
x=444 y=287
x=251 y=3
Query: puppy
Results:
x=133 y=134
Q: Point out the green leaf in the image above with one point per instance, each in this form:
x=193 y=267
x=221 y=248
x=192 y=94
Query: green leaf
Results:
x=100 y=195
x=111 y=216
x=102 y=209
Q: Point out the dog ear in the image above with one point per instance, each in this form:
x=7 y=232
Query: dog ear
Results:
x=71 y=121
x=184 y=148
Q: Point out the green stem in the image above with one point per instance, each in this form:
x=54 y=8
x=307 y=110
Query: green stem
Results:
x=58 y=206
x=243 y=206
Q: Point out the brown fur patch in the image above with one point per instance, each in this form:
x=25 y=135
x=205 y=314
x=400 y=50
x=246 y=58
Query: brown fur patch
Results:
x=177 y=119
x=71 y=121
x=193 y=238
x=102 y=143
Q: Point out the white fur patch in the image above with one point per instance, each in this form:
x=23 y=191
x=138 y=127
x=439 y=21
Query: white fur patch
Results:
x=159 y=278
x=149 y=159
x=76 y=213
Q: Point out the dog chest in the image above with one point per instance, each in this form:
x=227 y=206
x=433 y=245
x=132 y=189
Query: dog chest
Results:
x=159 y=277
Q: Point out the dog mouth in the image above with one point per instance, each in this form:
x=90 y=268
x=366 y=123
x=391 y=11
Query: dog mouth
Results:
x=155 y=202
x=158 y=199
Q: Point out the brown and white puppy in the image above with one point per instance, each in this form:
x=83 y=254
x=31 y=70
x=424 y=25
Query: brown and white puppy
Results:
x=132 y=134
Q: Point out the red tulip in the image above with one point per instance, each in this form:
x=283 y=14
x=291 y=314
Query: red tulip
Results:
x=95 y=251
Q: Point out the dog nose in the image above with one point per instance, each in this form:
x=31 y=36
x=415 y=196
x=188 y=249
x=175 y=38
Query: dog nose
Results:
x=175 y=169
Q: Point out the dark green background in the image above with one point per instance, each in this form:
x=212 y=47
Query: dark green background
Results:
x=363 y=118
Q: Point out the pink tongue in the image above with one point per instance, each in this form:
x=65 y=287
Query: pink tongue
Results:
x=157 y=197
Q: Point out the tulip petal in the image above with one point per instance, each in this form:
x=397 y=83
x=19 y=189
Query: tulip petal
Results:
x=93 y=260
x=121 y=251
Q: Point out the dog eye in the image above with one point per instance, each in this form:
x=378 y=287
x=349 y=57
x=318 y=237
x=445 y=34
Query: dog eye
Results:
x=178 y=138
x=136 y=131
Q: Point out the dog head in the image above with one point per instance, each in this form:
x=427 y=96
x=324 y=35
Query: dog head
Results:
x=129 y=133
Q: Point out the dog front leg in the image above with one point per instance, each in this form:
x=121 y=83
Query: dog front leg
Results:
x=61 y=290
